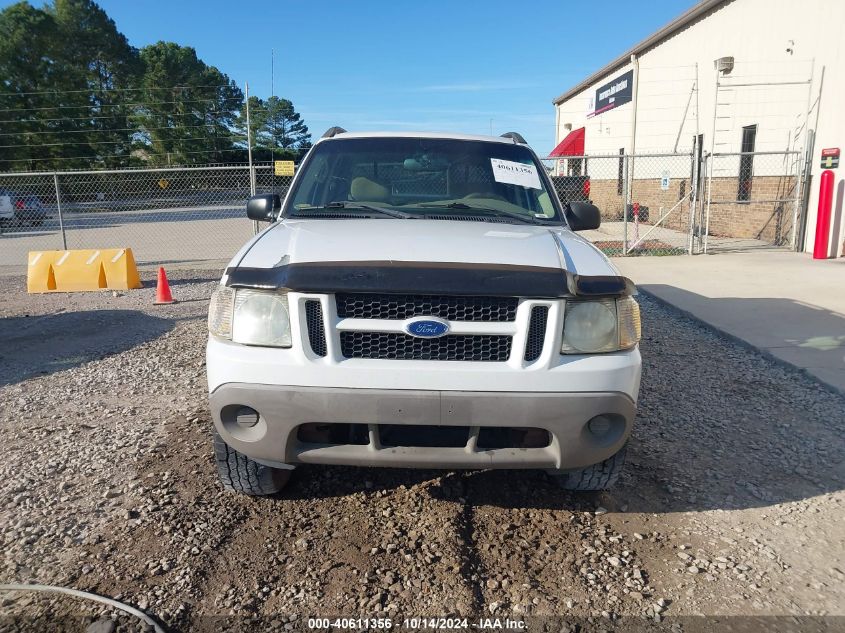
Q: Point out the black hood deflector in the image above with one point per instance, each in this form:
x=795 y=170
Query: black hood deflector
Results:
x=439 y=278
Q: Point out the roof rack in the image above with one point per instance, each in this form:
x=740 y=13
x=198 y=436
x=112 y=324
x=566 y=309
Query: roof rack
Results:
x=516 y=137
x=333 y=131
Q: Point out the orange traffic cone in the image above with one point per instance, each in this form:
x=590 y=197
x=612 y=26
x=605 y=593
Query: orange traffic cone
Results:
x=163 y=295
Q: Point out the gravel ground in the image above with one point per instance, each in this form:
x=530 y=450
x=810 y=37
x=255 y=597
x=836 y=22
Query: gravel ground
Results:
x=731 y=503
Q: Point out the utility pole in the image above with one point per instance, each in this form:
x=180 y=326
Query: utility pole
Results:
x=249 y=154
x=249 y=143
x=273 y=94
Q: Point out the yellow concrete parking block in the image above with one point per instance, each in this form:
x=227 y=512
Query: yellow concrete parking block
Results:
x=82 y=270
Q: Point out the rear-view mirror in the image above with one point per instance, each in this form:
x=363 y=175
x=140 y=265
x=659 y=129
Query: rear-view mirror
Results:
x=426 y=163
x=583 y=216
x=263 y=207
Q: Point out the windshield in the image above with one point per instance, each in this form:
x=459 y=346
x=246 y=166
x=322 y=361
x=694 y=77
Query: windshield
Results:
x=422 y=178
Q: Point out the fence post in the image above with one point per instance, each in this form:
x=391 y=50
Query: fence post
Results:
x=804 y=202
x=711 y=165
x=695 y=181
x=59 y=207
x=626 y=203
x=799 y=175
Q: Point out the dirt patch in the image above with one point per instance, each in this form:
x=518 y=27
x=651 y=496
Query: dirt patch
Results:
x=731 y=503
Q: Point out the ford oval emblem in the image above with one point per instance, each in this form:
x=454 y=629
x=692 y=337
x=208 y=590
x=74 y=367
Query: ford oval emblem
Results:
x=426 y=328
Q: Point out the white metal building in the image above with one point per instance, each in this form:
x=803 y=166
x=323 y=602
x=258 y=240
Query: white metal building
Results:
x=778 y=89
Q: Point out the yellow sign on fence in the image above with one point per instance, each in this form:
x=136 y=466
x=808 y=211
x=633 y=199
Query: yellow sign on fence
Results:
x=283 y=167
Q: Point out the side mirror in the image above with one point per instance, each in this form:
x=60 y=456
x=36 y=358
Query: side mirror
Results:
x=263 y=207
x=583 y=216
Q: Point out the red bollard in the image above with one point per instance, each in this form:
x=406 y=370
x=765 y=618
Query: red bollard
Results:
x=823 y=215
x=636 y=222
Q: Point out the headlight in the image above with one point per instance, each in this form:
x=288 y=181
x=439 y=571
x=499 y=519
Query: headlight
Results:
x=250 y=317
x=603 y=325
x=261 y=318
x=590 y=326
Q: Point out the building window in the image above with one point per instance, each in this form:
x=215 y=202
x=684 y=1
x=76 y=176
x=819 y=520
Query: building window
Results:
x=746 y=162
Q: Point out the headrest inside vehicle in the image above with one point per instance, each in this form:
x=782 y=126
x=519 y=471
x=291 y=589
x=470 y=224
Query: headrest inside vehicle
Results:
x=366 y=190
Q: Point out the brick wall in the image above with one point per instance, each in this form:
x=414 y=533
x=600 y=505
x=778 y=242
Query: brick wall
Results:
x=768 y=221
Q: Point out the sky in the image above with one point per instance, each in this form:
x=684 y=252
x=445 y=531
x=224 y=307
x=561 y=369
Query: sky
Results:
x=439 y=65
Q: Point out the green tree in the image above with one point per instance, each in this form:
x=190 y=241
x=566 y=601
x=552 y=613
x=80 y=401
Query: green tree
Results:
x=277 y=129
x=283 y=126
x=189 y=108
x=74 y=93
x=64 y=103
x=98 y=72
x=27 y=69
x=257 y=120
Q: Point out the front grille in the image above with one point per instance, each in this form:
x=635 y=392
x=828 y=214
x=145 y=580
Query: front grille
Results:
x=398 y=346
x=316 y=331
x=399 y=307
x=536 y=333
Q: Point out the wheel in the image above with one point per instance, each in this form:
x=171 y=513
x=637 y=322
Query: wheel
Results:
x=599 y=476
x=239 y=473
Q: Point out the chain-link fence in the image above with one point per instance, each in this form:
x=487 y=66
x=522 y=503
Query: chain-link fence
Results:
x=688 y=202
x=164 y=215
x=651 y=204
x=753 y=201
x=645 y=200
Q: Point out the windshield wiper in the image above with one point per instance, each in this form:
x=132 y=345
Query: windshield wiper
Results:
x=354 y=206
x=496 y=212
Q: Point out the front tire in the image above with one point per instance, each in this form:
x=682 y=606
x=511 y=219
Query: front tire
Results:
x=239 y=473
x=599 y=476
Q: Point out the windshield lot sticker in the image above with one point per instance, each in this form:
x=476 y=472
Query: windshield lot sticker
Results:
x=513 y=173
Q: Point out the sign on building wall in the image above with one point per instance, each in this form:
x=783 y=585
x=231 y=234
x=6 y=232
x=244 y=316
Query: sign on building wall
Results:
x=614 y=93
x=830 y=158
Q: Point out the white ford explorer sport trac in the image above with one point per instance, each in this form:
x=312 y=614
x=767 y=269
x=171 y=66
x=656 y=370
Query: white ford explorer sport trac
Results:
x=422 y=300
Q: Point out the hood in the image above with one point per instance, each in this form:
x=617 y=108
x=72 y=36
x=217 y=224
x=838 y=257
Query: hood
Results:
x=300 y=241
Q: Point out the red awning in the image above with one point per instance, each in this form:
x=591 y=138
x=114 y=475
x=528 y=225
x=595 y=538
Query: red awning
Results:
x=572 y=145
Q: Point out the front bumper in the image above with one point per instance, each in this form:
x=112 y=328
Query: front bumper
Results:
x=274 y=439
x=616 y=372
